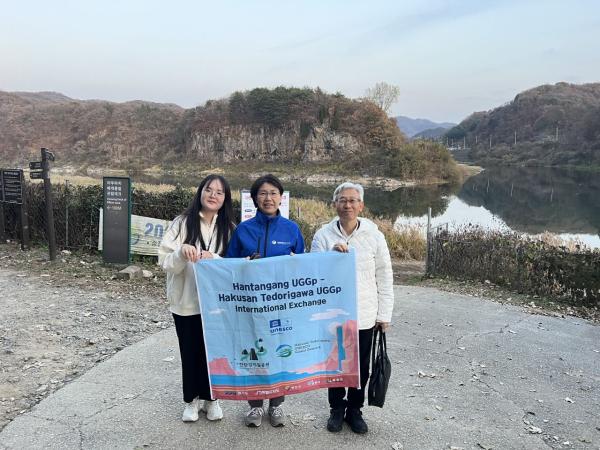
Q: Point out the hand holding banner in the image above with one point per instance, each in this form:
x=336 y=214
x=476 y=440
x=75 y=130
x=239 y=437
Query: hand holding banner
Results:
x=279 y=326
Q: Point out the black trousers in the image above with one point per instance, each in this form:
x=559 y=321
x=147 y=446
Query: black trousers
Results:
x=356 y=397
x=194 y=368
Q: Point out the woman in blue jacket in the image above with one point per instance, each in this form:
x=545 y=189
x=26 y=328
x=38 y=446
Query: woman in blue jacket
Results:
x=267 y=234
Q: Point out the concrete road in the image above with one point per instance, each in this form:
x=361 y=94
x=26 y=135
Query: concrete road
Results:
x=467 y=373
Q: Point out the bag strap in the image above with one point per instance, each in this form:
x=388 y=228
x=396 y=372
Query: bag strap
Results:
x=383 y=343
x=373 y=347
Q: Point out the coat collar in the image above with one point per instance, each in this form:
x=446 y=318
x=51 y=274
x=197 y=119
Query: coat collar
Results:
x=264 y=219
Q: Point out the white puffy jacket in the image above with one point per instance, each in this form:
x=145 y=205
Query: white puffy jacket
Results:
x=374 y=278
x=181 y=283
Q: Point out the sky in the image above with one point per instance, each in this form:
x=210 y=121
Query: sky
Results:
x=449 y=58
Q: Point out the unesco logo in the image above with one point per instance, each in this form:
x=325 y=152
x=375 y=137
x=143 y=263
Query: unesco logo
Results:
x=280 y=325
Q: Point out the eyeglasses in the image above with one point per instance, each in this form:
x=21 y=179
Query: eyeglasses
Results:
x=265 y=194
x=209 y=192
x=349 y=201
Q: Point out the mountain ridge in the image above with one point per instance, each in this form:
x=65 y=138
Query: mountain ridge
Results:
x=550 y=125
x=292 y=125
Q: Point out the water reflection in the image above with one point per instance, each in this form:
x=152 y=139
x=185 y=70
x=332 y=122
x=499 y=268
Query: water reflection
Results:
x=527 y=200
x=533 y=200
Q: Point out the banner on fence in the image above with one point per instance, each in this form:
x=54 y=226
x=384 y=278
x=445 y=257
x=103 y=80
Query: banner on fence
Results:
x=279 y=326
x=146 y=234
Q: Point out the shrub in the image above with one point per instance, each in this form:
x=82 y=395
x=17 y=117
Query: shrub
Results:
x=524 y=264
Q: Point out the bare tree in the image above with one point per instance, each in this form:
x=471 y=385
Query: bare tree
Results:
x=383 y=95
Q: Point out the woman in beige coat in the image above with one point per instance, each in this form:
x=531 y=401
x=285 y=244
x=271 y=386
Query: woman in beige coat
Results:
x=202 y=231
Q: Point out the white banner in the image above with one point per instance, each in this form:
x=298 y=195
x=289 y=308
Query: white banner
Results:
x=146 y=234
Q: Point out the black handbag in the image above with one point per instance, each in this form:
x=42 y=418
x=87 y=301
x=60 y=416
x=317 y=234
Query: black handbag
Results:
x=381 y=370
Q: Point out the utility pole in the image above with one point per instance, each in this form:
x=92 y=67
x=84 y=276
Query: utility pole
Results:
x=490 y=142
x=556 y=133
x=515 y=137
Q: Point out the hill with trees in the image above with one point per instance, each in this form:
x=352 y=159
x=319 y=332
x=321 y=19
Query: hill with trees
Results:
x=283 y=125
x=550 y=125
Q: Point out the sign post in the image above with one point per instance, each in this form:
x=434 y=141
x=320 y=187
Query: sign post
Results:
x=11 y=182
x=116 y=222
x=44 y=164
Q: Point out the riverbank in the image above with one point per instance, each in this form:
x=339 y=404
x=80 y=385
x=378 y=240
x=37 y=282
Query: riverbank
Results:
x=314 y=175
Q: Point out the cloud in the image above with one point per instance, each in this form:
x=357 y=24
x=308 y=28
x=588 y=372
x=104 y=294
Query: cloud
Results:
x=329 y=314
x=217 y=311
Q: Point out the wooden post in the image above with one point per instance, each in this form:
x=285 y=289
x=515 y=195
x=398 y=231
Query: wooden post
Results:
x=2 y=231
x=25 y=242
x=429 y=244
x=47 y=156
x=67 y=213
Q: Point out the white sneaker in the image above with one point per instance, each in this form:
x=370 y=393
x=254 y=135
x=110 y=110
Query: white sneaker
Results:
x=190 y=413
x=212 y=409
x=254 y=417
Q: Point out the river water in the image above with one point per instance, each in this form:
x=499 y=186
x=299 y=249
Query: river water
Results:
x=526 y=200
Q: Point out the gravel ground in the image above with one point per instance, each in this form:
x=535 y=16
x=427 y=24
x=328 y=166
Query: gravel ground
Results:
x=60 y=319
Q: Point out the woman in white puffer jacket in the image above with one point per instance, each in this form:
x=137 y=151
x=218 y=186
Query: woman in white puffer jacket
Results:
x=375 y=292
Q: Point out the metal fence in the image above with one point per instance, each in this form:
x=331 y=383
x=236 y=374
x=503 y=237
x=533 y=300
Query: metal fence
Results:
x=77 y=212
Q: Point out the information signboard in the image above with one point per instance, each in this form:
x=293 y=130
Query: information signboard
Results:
x=12 y=186
x=116 y=220
x=249 y=210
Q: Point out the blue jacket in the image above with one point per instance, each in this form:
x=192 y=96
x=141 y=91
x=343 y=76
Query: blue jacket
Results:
x=269 y=236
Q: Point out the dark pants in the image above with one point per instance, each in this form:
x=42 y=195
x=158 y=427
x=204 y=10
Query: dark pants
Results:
x=356 y=397
x=274 y=402
x=194 y=368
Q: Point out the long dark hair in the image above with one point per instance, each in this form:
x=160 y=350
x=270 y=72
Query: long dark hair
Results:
x=224 y=218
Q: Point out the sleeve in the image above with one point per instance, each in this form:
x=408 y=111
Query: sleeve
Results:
x=318 y=243
x=385 y=280
x=233 y=250
x=299 y=247
x=169 y=252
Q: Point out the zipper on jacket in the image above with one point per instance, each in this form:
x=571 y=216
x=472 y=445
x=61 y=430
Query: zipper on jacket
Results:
x=266 y=238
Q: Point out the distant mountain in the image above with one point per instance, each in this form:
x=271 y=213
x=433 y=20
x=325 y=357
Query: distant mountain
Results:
x=549 y=125
x=410 y=127
x=431 y=133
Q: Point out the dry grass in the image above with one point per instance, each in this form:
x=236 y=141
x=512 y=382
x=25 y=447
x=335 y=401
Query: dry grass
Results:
x=312 y=211
x=554 y=240
x=407 y=243
x=80 y=180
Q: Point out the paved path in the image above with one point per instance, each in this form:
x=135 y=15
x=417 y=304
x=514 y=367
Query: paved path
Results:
x=468 y=373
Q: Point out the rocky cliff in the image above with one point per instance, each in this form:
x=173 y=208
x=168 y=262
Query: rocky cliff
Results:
x=282 y=125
